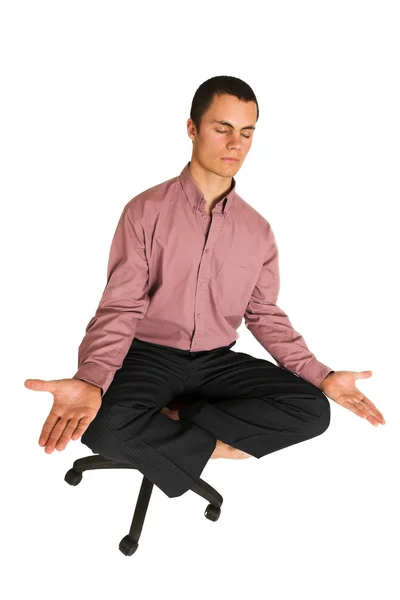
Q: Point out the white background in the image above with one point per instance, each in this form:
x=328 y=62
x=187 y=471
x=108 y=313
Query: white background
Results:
x=94 y=102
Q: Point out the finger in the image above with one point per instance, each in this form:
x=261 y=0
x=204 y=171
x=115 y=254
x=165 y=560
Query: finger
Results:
x=374 y=412
x=56 y=434
x=48 y=428
x=355 y=409
x=66 y=436
x=372 y=409
x=363 y=413
x=370 y=406
x=81 y=428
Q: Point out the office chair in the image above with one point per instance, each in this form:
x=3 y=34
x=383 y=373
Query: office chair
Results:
x=129 y=544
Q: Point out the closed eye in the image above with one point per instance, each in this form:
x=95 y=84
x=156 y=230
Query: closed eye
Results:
x=219 y=131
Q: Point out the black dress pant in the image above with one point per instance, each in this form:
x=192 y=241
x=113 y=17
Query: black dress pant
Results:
x=247 y=402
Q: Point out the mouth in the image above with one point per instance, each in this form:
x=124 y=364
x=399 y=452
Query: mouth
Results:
x=231 y=159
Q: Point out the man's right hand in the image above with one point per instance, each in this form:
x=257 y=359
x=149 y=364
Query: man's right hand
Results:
x=76 y=403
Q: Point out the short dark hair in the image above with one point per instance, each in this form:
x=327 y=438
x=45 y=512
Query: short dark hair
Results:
x=221 y=84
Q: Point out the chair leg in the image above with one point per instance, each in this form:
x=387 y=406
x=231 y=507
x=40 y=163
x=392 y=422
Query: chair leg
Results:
x=129 y=544
x=206 y=491
x=88 y=463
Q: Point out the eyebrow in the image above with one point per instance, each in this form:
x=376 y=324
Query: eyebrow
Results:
x=230 y=125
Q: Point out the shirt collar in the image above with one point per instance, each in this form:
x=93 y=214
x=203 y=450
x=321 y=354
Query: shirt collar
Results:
x=195 y=195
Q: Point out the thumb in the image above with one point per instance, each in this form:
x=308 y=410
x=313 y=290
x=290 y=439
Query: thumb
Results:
x=41 y=385
x=363 y=374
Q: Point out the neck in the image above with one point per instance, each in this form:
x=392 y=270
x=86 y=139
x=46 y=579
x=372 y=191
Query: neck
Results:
x=213 y=186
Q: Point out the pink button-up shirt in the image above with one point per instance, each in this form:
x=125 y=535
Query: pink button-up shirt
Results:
x=181 y=277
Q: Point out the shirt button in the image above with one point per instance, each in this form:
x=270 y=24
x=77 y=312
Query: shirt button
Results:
x=207 y=250
x=203 y=283
x=199 y=314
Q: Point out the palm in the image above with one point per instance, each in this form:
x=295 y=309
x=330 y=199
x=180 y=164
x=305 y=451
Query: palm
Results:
x=75 y=405
x=68 y=394
x=340 y=386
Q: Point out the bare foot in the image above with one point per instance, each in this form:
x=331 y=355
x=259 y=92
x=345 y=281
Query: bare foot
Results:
x=172 y=414
x=223 y=450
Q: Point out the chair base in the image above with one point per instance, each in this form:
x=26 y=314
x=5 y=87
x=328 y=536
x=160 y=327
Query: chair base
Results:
x=129 y=544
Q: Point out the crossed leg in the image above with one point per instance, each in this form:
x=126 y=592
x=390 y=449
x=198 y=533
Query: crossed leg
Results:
x=222 y=450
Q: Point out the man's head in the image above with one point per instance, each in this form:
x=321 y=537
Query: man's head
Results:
x=232 y=102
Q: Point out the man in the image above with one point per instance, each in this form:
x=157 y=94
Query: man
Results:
x=189 y=259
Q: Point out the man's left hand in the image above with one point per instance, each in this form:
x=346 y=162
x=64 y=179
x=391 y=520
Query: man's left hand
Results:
x=340 y=386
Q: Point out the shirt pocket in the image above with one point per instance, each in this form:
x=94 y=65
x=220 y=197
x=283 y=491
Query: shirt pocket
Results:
x=234 y=284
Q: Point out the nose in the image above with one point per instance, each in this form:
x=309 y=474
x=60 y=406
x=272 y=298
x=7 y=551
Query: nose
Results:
x=234 y=141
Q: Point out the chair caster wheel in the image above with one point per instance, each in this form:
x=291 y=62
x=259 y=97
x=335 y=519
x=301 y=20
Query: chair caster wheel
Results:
x=73 y=477
x=212 y=512
x=128 y=546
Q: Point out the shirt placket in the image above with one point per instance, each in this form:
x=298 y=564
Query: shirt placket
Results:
x=204 y=273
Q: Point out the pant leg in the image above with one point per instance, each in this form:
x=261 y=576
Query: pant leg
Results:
x=252 y=404
x=130 y=427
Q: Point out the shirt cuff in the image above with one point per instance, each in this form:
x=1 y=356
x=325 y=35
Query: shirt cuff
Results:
x=315 y=372
x=96 y=375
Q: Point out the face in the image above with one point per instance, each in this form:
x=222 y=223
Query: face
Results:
x=216 y=141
